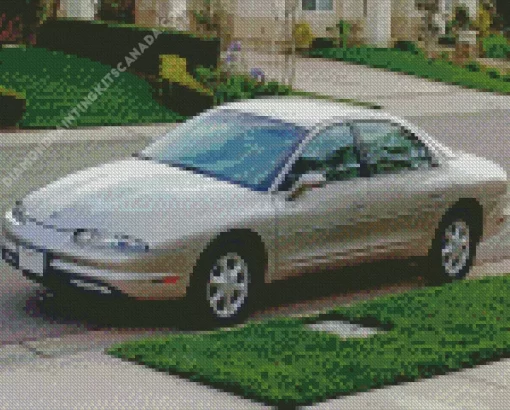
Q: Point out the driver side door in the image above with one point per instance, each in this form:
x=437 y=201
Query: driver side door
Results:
x=319 y=228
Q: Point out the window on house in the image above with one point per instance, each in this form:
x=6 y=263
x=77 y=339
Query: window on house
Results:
x=365 y=8
x=317 y=5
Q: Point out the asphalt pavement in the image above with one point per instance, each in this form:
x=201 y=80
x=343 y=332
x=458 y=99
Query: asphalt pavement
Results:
x=70 y=371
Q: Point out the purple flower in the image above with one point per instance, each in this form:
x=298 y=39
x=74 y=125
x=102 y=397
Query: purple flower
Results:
x=234 y=46
x=257 y=74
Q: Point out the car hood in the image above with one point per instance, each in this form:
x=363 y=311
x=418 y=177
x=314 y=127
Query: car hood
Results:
x=146 y=199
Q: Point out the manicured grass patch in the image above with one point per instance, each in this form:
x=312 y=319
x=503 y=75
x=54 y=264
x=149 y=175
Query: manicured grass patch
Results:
x=417 y=64
x=281 y=362
x=54 y=83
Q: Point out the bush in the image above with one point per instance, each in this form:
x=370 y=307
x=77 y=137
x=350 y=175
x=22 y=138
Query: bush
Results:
x=110 y=44
x=235 y=87
x=496 y=46
x=322 y=42
x=493 y=73
x=12 y=107
x=303 y=35
x=473 y=66
x=409 y=46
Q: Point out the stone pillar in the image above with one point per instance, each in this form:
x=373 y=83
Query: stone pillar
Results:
x=82 y=10
x=441 y=17
x=466 y=47
x=378 y=23
x=472 y=5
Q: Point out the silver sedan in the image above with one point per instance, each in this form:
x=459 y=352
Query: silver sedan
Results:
x=252 y=192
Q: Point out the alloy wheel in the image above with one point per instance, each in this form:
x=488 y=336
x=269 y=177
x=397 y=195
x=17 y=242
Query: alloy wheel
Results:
x=455 y=247
x=227 y=288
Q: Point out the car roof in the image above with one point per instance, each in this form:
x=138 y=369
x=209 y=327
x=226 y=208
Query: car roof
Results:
x=303 y=111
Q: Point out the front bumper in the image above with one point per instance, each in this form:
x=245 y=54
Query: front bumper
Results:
x=57 y=273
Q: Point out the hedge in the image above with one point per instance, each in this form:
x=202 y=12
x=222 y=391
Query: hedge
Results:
x=111 y=43
x=12 y=107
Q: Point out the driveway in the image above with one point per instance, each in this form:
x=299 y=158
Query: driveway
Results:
x=397 y=93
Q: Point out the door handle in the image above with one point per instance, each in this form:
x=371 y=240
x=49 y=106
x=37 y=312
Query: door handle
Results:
x=437 y=197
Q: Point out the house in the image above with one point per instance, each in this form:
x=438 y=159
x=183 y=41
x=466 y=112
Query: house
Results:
x=375 y=22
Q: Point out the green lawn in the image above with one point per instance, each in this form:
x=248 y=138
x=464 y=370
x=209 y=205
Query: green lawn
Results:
x=280 y=362
x=54 y=83
x=417 y=64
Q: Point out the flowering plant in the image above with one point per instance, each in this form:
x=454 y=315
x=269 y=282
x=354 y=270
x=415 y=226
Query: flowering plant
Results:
x=234 y=46
x=258 y=74
x=10 y=29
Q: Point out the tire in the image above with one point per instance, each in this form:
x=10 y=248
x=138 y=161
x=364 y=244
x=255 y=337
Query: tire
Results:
x=453 y=248
x=207 y=303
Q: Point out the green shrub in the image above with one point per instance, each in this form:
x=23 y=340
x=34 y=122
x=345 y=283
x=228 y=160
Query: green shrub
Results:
x=409 y=46
x=12 y=107
x=492 y=73
x=496 y=46
x=473 y=66
x=506 y=78
x=237 y=87
x=322 y=42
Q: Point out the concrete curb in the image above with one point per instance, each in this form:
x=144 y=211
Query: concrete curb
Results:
x=111 y=133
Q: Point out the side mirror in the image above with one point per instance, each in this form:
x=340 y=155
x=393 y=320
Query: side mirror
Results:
x=305 y=182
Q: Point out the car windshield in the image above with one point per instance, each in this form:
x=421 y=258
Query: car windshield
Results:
x=230 y=145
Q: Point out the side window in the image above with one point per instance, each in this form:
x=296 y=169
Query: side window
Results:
x=389 y=148
x=331 y=152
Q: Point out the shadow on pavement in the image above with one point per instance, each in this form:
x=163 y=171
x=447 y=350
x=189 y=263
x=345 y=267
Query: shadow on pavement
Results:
x=295 y=295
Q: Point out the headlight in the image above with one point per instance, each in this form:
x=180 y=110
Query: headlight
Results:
x=96 y=239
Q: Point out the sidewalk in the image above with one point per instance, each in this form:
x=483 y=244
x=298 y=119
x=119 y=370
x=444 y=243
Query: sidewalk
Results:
x=74 y=372
x=110 y=133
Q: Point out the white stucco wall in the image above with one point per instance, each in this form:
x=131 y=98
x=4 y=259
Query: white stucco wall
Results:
x=351 y=9
x=82 y=9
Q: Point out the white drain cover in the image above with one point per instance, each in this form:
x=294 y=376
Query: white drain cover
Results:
x=344 y=329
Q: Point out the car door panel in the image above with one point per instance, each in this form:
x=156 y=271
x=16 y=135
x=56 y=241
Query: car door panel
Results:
x=320 y=228
x=404 y=195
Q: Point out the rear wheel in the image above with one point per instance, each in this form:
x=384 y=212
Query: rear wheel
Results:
x=224 y=285
x=453 y=249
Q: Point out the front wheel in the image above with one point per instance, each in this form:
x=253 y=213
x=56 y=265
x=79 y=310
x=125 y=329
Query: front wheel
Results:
x=224 y=285
x=453 y=249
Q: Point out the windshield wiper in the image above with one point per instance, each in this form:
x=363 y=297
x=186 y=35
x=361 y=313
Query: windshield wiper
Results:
x=140 y=156
x=185 y=167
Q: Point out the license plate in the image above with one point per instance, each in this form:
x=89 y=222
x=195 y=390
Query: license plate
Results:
x=32 y=260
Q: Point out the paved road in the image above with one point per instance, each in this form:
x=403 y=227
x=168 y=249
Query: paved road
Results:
x=20 y=318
